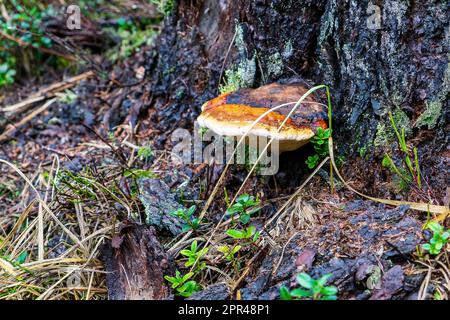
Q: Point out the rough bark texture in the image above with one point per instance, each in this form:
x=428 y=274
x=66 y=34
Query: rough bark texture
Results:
x=398 y=63
x=136 y=264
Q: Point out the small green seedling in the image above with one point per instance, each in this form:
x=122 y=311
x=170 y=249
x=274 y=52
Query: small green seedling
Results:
x=320 y=143
x=195 y=256
x=139 y=173
x=67 y=97
x=311 y=288
x=437 y=296
x=244 y=207
x=183 y=287
x=409 y=170
x=247 y=233
x=144 y=153
x=439 y=239
x=202 y=131
x=229 y=252
x=187 y=215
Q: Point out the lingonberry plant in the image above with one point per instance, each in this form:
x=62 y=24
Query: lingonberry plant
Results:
x=439 y=240
x=320 y=143
x=194 y=256
x=245 y=206
x=311 y=288
x=181 y=284
x=187 y=215
x=248 y=233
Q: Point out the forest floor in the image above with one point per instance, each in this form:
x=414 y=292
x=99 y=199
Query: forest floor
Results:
x=87 y=185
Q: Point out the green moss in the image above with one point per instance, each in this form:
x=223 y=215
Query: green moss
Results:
x=131 y=41
x=402 y=121
x=275 y=65
x=288 y=50
x=243 y=74
x=241 y=77
x=433 y=109
x=386 y=134
x=381 y=137
x=362 y=151
x=239 y=40
x=430 y=116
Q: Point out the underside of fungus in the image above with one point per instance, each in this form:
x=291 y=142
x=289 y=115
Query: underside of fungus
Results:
x=235 y=113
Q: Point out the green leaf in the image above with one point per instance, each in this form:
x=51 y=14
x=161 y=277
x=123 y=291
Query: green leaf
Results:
x=244 y=218
x=203 y=252
x=22 y=257
x=329 y=291
x=435 y=226
x=323 y=280
x=284 y=294
x=301 y=293
x=185 y=228
x=237 y=207
x=188 y=276
x=253 y=211
x=172 y=280
x=236 y=249
x=244 y=198
x=305 y=280
x=250 y=231
x=328 y=298
x=223 y=249
x=191 y=211
x=194 y=246
x=186 y=252
x=235 y=234
x=139 y=173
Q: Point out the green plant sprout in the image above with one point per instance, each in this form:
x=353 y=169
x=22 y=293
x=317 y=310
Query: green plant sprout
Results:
x=144 y=153
x=320 y=143
x=229 y=252
x=244 y=207
x=183 y=287
x=139 y=173
x=412 y=172
x=68 y=96
x=187 y=215
x=7 y=71
x=202 y=131
x=195 y=256
x=311 y=288
x=246 y=234
x=439 y=239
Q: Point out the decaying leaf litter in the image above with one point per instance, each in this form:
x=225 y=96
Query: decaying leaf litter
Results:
x=74 y=196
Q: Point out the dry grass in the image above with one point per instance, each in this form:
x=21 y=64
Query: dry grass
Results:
x=51 y=249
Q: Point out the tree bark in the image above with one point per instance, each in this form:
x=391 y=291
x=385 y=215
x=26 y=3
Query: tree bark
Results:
x=380 y=57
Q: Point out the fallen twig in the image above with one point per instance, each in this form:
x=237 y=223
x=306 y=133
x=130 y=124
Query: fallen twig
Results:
x=47 y=92
x=25 y=120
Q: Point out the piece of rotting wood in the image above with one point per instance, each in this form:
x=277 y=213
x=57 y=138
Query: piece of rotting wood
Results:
x=136 y=264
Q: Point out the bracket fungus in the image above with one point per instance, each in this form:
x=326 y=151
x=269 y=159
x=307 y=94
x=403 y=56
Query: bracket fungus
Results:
x=234 y=113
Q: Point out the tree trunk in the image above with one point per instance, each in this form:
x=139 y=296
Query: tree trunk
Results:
x=380 y=57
